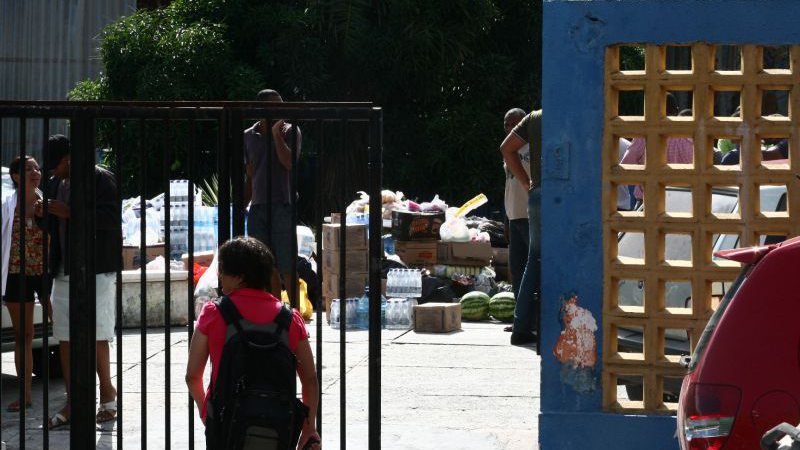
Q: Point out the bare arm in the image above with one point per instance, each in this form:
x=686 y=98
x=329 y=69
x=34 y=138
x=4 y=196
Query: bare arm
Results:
x=198 y=356
x=510 y=148
x=58 y=209
x=281 y=148
x=308 y=379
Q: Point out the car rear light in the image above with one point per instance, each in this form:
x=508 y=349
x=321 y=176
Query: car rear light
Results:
x=709 y=412
x=707 y=432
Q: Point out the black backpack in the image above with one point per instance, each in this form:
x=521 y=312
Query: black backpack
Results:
x=254 y=401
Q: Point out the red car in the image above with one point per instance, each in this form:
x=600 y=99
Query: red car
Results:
x=744 y=375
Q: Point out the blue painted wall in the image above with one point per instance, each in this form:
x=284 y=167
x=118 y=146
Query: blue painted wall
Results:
x=575 y=35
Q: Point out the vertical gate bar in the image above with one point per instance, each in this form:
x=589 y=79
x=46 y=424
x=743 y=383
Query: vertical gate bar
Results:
x=46 y=283
x=21 y=205
x=190 y=275
x=82 y=295
x=270 y=159
x=143 y=276
x=237 y=171
x=120 y=177
x=223 y=165
x=343 y=294
x=167 y=152
x=318 y=213
x=293 y=289
x=375 y=256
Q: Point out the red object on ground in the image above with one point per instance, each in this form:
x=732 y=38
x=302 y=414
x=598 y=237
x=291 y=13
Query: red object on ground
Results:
x=743 y=375
x=198 y=271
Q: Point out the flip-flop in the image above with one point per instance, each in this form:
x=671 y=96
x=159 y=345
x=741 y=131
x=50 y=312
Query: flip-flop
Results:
x=106 y=412
x=14 y=406
x=57 y=421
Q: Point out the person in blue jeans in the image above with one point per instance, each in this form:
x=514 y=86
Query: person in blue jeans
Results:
x=528 y=132
x=516 y=205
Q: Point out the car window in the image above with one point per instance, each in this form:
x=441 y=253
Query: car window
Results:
x=724 y=203
x=678 y=201
x=714 y=321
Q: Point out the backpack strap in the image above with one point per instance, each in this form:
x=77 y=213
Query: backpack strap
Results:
x=229 y=312
x=284 y=318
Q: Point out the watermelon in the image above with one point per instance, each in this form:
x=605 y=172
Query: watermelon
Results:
x=501 y=306
x=475 y=306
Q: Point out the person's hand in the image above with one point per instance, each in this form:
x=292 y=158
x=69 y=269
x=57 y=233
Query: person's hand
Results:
x=38 y=209
x=309 y=439
x=58 y=209
x=277 y=127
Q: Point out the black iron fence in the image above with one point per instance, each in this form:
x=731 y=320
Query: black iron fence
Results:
x=145 y=145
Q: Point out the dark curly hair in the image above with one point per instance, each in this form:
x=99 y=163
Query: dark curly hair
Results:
x=249 y=258
x=14 y=168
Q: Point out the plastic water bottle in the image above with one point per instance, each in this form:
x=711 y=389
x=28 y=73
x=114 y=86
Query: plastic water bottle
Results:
x=335 y=322
x=383 y=311
x=352 y=305
x=362 y=313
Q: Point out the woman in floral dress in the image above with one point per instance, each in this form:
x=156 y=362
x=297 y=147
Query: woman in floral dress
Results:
x=12 y=274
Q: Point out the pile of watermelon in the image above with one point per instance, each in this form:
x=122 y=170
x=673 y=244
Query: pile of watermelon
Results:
x=477 y=305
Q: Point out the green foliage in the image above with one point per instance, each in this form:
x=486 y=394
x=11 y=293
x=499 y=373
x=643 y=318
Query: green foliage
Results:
x=210 y=190
x=444 y=72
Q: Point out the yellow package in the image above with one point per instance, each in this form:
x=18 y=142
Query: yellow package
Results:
x=306 y=308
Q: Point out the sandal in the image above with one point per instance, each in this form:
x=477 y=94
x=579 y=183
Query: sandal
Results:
x=57 y=421
x=106 y=412
x=14 y=406
x=508 y=329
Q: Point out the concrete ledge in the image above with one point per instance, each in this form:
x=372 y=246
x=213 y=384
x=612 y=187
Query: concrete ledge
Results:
x=155 y=292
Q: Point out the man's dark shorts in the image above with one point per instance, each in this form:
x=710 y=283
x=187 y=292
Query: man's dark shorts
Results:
x=282 y=232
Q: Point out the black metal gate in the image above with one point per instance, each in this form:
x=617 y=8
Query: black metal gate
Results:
x=146 y=144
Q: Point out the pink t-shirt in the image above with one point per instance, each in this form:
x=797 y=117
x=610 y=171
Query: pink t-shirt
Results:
x=254 y=305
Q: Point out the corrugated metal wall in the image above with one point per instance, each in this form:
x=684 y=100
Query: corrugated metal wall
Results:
x=46 y=46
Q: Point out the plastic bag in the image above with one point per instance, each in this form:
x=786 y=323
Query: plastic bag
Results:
x=306 y=308
x=206 y=288
x=156 y=264
x=454 y=229
x=435 y=205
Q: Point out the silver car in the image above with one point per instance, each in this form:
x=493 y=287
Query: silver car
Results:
x=679 y=294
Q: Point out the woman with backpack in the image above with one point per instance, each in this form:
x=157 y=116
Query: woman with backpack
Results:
x=256 y=345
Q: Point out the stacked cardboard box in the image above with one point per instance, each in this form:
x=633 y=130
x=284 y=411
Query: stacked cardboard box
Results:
x=356 y=255
x=415 y=235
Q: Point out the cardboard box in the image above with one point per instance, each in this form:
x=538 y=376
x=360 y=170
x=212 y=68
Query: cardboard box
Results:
x=416 y=253
x=500 y=255
x=356 y=238
x=437 y=317
x=464 y=253
x=354 y=284
x=412 y=226
x=355 y=260
x=131 y=256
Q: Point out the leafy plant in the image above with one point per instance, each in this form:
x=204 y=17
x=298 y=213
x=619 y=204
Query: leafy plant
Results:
x=443 y=72
x=209 y=189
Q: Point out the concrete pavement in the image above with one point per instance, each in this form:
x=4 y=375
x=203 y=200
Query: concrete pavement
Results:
x=462 y=390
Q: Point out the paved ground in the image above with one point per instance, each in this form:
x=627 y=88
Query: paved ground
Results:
x=463 y=390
